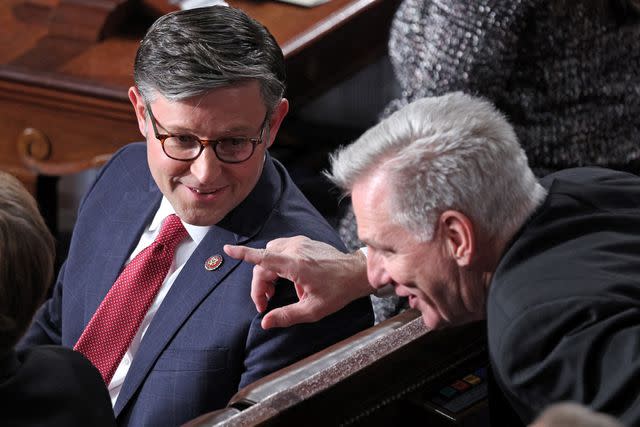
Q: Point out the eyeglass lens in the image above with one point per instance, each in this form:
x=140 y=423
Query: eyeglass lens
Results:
x=188 y=147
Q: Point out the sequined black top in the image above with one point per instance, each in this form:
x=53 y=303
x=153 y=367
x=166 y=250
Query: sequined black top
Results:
x=569 y=83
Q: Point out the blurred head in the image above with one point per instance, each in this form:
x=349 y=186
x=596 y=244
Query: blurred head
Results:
x=217 y=76
x=26 y=260
x=438 y=188
x=569 y=414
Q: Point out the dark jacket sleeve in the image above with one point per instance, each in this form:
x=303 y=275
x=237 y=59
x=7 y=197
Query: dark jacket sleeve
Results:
x=564 y=304
x=584 y=349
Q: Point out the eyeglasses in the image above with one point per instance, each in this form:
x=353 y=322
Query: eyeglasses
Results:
x=188 y=147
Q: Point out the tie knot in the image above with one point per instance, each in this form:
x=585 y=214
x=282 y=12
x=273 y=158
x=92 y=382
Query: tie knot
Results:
x=172 y=231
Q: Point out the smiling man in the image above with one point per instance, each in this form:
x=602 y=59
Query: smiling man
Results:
x=181 y=166
x=147 y=293
x=454 y=219
x=395 y=256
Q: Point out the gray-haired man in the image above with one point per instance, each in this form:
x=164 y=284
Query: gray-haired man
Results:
x=454 y=219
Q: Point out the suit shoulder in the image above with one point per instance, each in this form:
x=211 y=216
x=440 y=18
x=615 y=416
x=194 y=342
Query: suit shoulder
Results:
x=592 y=174
x=128 y=164
x=295 y=215
x=131 y=155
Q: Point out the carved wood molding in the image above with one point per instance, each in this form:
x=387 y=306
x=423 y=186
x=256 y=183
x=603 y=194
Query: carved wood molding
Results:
x=88 y=20
x=159 y=7
x=34 y=149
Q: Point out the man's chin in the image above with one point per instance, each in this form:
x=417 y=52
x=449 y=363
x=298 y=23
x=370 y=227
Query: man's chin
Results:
x=201 y=217
x=432 y=320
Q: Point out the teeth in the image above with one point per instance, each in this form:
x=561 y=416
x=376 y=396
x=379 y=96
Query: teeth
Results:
x=199 y=191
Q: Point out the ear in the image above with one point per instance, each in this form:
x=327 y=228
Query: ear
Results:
x=139 y=108
x=276 y=119
x=459 y=236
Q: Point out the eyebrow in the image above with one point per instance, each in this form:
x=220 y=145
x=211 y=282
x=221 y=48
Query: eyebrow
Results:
x=368 y=243
x=179 y=130
x=239 y=128
x=381 y=247
x=160 y=126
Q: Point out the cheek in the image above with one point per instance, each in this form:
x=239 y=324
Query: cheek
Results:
x=398 y=270
x=438 y=280
x=163 y=167
x=426 y=277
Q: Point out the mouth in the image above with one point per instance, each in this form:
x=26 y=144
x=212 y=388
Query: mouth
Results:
x=413 y=301
x=401 y=290
x=195 y=190
x=206 y=191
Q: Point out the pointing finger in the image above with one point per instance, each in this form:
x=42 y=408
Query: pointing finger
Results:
x=254 y=256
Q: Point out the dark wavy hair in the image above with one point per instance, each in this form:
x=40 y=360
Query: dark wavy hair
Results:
x=191 y=52
x=27 y=252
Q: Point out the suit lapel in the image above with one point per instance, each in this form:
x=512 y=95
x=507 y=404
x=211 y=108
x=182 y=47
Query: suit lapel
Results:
x=195 y=283
x=123 y=229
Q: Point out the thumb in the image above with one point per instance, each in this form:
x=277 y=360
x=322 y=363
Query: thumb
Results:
x=283 y=317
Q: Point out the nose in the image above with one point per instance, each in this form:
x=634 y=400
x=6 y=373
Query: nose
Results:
x=206 y=167
x=376 y=271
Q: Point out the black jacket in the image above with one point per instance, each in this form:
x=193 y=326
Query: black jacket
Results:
x=52 y=386
x=564 y=304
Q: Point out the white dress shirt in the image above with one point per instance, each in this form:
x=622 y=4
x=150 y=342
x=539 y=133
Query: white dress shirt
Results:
x=182 y=254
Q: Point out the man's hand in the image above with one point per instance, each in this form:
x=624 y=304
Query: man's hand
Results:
x=325 y=279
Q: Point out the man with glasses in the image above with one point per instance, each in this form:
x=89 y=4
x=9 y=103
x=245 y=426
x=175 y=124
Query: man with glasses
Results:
x=147 y=292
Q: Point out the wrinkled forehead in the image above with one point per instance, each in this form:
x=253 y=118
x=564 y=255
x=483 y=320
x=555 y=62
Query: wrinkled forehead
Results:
x=152 y=92
x=227 y=109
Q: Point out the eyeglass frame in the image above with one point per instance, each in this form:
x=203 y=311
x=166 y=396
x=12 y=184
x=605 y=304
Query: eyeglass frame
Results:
x=207 y=142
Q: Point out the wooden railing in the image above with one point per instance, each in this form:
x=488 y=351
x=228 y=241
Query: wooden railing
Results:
x=385 y=375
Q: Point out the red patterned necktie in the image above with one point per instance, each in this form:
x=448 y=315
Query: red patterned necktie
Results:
x=114 y=324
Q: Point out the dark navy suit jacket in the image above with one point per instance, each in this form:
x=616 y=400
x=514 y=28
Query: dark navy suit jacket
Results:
x=205 y=342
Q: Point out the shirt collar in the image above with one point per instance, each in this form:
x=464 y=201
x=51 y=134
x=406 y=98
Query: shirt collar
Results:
x=196 y=232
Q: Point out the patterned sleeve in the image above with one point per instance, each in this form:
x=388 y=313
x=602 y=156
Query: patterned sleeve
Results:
x=439 y=46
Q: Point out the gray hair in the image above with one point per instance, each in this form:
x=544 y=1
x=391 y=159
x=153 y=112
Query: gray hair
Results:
x=190 y=52
x=449 y=152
